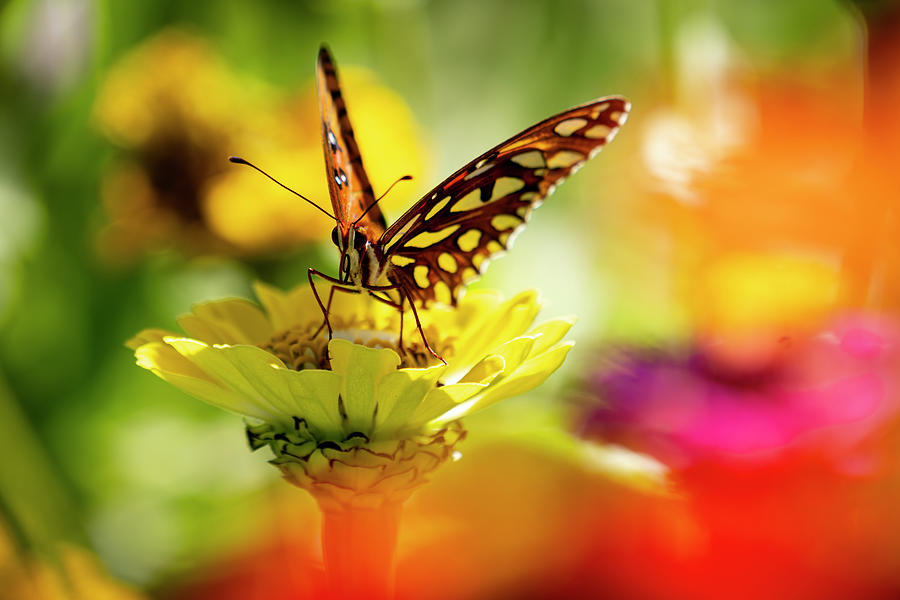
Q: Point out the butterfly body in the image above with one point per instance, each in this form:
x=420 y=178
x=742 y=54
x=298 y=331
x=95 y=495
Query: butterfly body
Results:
x=448 y=237
x=363 y=262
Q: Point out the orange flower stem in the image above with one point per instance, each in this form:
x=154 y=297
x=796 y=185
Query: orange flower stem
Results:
x=358 y=547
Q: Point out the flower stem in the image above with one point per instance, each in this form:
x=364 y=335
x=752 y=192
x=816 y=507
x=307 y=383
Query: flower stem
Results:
x=358 y=546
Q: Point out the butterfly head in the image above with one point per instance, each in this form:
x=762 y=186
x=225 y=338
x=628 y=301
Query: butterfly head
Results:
x=359 y=264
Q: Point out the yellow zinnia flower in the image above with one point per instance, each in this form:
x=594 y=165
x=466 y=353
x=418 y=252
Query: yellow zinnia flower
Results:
x=353 y=420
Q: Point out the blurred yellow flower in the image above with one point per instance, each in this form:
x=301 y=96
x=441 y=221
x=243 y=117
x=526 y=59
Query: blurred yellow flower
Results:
x=750 y=306
x=353 y=420
x=178 y=111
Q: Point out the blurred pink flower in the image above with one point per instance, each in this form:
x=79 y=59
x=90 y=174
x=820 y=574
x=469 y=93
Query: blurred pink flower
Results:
x=831 y=390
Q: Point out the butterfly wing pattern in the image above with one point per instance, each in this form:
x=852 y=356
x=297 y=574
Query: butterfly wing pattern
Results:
x=449 y=236
x=349 y=187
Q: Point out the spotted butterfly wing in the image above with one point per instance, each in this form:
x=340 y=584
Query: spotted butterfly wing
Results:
x=348 y=184
x=449 y=236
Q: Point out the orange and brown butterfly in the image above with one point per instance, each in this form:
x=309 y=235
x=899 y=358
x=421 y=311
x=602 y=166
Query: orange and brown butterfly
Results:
x=447 y=238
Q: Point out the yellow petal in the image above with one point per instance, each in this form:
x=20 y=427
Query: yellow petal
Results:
x=277 y=305
x=232 y=321
x=315 y=393
x=216 y=365
x=549 y=333
x=160 y=356
x=507 y=359
x=488 y=329
x=514 y=353
x=199 y=329
x=486 y=370
x=147 y=336
x=261 y=370
x=528 y=376
x=362 y=369
x=442 y=399
x=184 y=375
x=399 y=395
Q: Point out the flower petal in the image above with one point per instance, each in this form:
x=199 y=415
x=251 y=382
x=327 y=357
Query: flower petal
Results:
x=170 y=366
x=549 y=333
x=443 y=399
x=399 y=395
x=362 y=369
x=282 y=311
x=147 y=336
x=261 y=370
x=316 y=395
x=529 y=375
x=514 y=352
x=214 y=362
x=488 y=328
x=231 y=321
x=486 y=370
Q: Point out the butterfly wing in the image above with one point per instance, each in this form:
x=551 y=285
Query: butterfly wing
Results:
x=348 y=184
x=448 y=237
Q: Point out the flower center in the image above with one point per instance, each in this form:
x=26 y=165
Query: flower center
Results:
x=303 y=347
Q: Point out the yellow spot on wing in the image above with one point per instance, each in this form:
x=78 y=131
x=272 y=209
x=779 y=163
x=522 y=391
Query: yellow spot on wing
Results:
x=420 y=274
x=468 y=275
x=402 y=261
x=569 y=126
x=599 y=109
x=504 y=222
x=437 y=207
x=597 y=132
x=494 y=247
x=504 y=186
x=447 y=262
x=468 y=202
x=564 y=158
x=442 y=293
x=469 y=240
x=429 y=238
x=533 y=159
x=403 y=231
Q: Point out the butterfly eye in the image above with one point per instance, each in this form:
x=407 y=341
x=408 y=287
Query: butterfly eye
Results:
x=335 y=238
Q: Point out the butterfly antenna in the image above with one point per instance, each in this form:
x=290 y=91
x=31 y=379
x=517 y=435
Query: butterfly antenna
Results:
x=390 y=187
x=240 y=161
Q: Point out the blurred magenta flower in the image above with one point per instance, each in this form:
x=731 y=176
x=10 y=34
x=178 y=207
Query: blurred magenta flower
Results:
x=830 y=390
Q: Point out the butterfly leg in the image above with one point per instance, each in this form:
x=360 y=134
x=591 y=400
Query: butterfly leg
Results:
x=412 y=305
x=337 y=285
x=399 y=306
x=334 y=288
x=400 y=343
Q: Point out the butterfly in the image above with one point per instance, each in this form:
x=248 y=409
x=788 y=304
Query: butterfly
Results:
x=446 y=239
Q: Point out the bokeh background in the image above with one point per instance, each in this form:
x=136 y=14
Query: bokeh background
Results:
x=727 y=425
